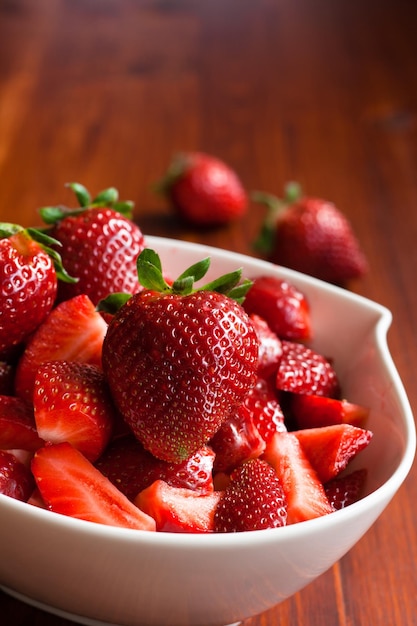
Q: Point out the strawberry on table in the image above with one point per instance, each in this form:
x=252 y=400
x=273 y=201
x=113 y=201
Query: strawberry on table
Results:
x=73 y=331
x=16 y=479
x=203 y=189
x=28 y=283
x=72 y=403
x=179 y=360
x=70 y=485
x=284 y=307
x=310 y=235
x=177 y=509
x=99 y=244
x=254 y=499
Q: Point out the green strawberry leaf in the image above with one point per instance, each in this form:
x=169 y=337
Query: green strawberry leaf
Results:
x=107 y=197
x=82 y=194
x=264 y=243
x=113 y=302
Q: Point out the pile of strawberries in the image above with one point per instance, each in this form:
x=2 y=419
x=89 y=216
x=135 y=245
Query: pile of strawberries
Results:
x=134 y=399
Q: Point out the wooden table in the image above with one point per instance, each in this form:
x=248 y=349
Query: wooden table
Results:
x=104 y=92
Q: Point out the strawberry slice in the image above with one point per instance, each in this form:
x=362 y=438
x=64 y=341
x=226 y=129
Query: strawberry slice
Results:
x=236 y=441
x=311 y=411
x=72 y=403
x=345 y=490
x=70 y=485
x=16 y=479
x=306 y=498
x=253 y=500
x=73 y=331
x=302 y=370
x=330 y=448
x=132 y=468
x=177 y=509
x=284 y=307
x=17 y=425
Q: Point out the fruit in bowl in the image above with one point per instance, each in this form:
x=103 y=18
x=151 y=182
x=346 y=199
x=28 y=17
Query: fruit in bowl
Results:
x=126 y=576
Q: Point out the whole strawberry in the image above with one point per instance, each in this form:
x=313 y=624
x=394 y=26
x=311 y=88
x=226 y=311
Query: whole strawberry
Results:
x=28 y=283
x=99 y=244
x=312 y=236
x=179 y=360
x=204 y=190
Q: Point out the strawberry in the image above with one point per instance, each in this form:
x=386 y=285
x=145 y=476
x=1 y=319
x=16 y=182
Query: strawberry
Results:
x=132 y=468
x=99 y=244
x=270 y=348
x=180 y=360
x=330 y=448
x=17 y=425
x=177 y=509
x=70 y=485
x=16 y=479
x=310 y=235
x=344 y=490
x=28 y=283
x=237 y=440
x=311 y=411
x=254 y=500
x=284 y=307
x=73 y=331
x=303 y=370
x=72 y=403
x=306 y=498
x=266 y=411
x=203 y=189
x=7 y=373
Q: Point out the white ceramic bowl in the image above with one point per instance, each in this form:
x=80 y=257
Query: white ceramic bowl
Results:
x=97 y=574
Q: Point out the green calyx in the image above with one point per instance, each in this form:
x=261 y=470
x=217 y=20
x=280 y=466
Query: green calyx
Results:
x=275 y=207
x=151 y=277
x=107 y=198
x=176 y=169
x=45 y=241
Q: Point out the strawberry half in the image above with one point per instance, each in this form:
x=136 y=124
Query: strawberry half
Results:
x=70 y=485
x=203 y=189
x=306 y=498
x=330 y=448
x=99 y=244
x=284 y=307
x=72 y=404
x=254 y=500
x=178 y=510
x=312 y=236
x=73 y=331
x=16 y=479
x=179 y=361
x=311 y=411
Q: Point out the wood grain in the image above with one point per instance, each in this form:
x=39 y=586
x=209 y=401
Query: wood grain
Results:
x=321 y=92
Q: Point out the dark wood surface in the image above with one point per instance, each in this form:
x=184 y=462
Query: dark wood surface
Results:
x=104 y=92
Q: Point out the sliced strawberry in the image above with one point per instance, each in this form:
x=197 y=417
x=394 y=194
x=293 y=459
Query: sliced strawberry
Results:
x=330 y=448
x=306 y=498
x=176 y=509
x=236 y=441
x=284 y=307
x=72 y=403
x=262 y=402
x=311 y=411
x=270 y=348
x=73 y=331
x=16 y=479
x=302 y=370
x=132 y=468
x=17 y=425
x=254 y=499
x=70 y=485
x=346 y=489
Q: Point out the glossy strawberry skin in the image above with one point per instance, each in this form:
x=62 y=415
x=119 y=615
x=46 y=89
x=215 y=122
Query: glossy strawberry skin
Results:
x=254 y=500
x=177 y=365
x=264 y=406
x=311 y=411
x=284 y=307
x=270 y=347
x=16 y=479
x=207 y=191
x=99 y=248
x=28 y=287
x=17 y=425
x=312 y=236
x=344 y=490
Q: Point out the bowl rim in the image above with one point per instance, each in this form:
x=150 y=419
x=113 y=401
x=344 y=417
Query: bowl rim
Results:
x=384 y=492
